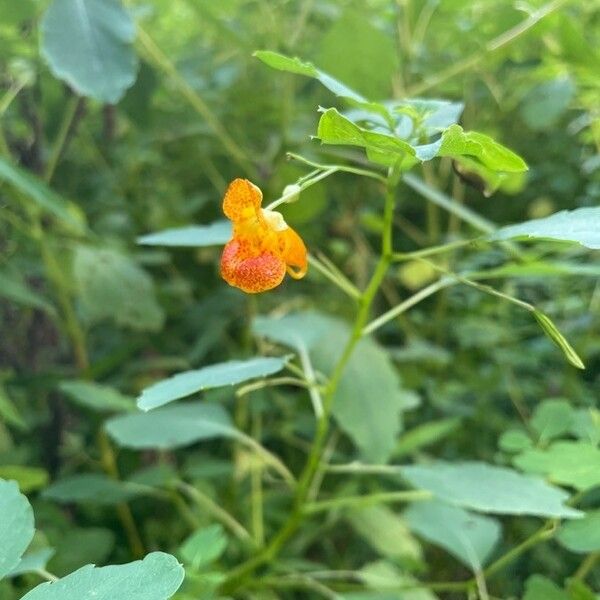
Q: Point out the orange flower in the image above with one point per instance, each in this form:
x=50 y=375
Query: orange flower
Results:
x=263 y=247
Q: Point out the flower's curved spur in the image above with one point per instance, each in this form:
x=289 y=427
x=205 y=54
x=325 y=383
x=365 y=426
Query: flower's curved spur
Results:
x=263 y=248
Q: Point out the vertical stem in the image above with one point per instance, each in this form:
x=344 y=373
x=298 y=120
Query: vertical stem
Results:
x=311 y=468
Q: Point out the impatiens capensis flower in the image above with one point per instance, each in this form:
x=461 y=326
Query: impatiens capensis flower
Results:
x=263 y=247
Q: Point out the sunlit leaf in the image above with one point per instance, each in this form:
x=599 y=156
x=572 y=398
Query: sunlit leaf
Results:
x=28 y=478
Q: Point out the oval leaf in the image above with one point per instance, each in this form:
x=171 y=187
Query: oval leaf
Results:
x=157 y=577
x=194 y=236
x=88 y=44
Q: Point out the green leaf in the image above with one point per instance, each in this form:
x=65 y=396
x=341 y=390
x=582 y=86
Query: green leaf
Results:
x=171 y=427
x=37 y=191
x=112 y=286
x=13 y=289
x=334 y=128
x=385 y=531
x=539 y=587
x=546 y=102
x=9 y=412
x=368 y=370
x=97 y=397
x=383 y=576
x=88 y=44
x=495 y=156
x=425 y=434
x=585 y=425
x=468 y=537
x=157 y=577
x=490 y=489
x=194 y=236
x=204 y=546
x=581 y=535
x=581 y=225
x=28 y=479
x=90 y=488
x=295 y=65
x=558 y=338
x=567 y=462
x=552 y=418
x=213 y=376
x=16 y=526
x=514 y=440
x=33 y=561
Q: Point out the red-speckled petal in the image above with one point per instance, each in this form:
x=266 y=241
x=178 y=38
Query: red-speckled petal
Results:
x=251 y=274
x=242 y=200
x=294 y=253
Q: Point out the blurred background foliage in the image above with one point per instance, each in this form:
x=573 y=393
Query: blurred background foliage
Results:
x=203 y=111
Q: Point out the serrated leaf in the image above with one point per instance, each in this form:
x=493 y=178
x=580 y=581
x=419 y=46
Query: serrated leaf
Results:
x=457 y=142
x=171 y=427
x=89 y=45
x=190 y=382
x=157 y=577
x=97 y=397
x=37 y=191
x=382 y=148
x=111 y=285
x=16 y=526
x=194 y=236
x=469 y=537
x=581 y=535
x=490 y=489
x=581 y=225
x=295 y=65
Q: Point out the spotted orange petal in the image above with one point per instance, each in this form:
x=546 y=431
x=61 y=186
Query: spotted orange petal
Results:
x=242 y=201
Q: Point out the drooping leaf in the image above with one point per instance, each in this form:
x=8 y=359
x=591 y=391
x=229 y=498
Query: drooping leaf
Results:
x=112 y=286
x=552 y=331
x=37 y=191
x=457 y=142
x=90 y=488
x=490 y=489
x=382 y=148
x=204 y=546
x=14 y=290
x=567 y=462
x=581 y=535
x=295 y=65
x=171 y=427
x=16 y=526
x=89 y=45
x=97 y=397
x=581 y=225
x=369 y=377
x=469 y=537
x=228 y=373
x=194 y=236
x=157 y=577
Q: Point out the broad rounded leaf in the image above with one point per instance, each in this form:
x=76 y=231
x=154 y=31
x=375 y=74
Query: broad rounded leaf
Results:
x=88 y=44
x=157 y=577
x=194 y=236
x=90 y=488
x=190 y=382
x=171 y=427
x=204 y=546
x=467 y=536
x=581 y=225
x=581 y=535
x=16 y=526
x=490 y=489
x=539 y=587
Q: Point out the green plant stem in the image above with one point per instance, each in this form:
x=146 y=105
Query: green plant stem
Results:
x=164 y=64
x=367 y=500
x=402 y=256
x=586 y=566
x=339 y=168
x=237 y=576
x=341 y=282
